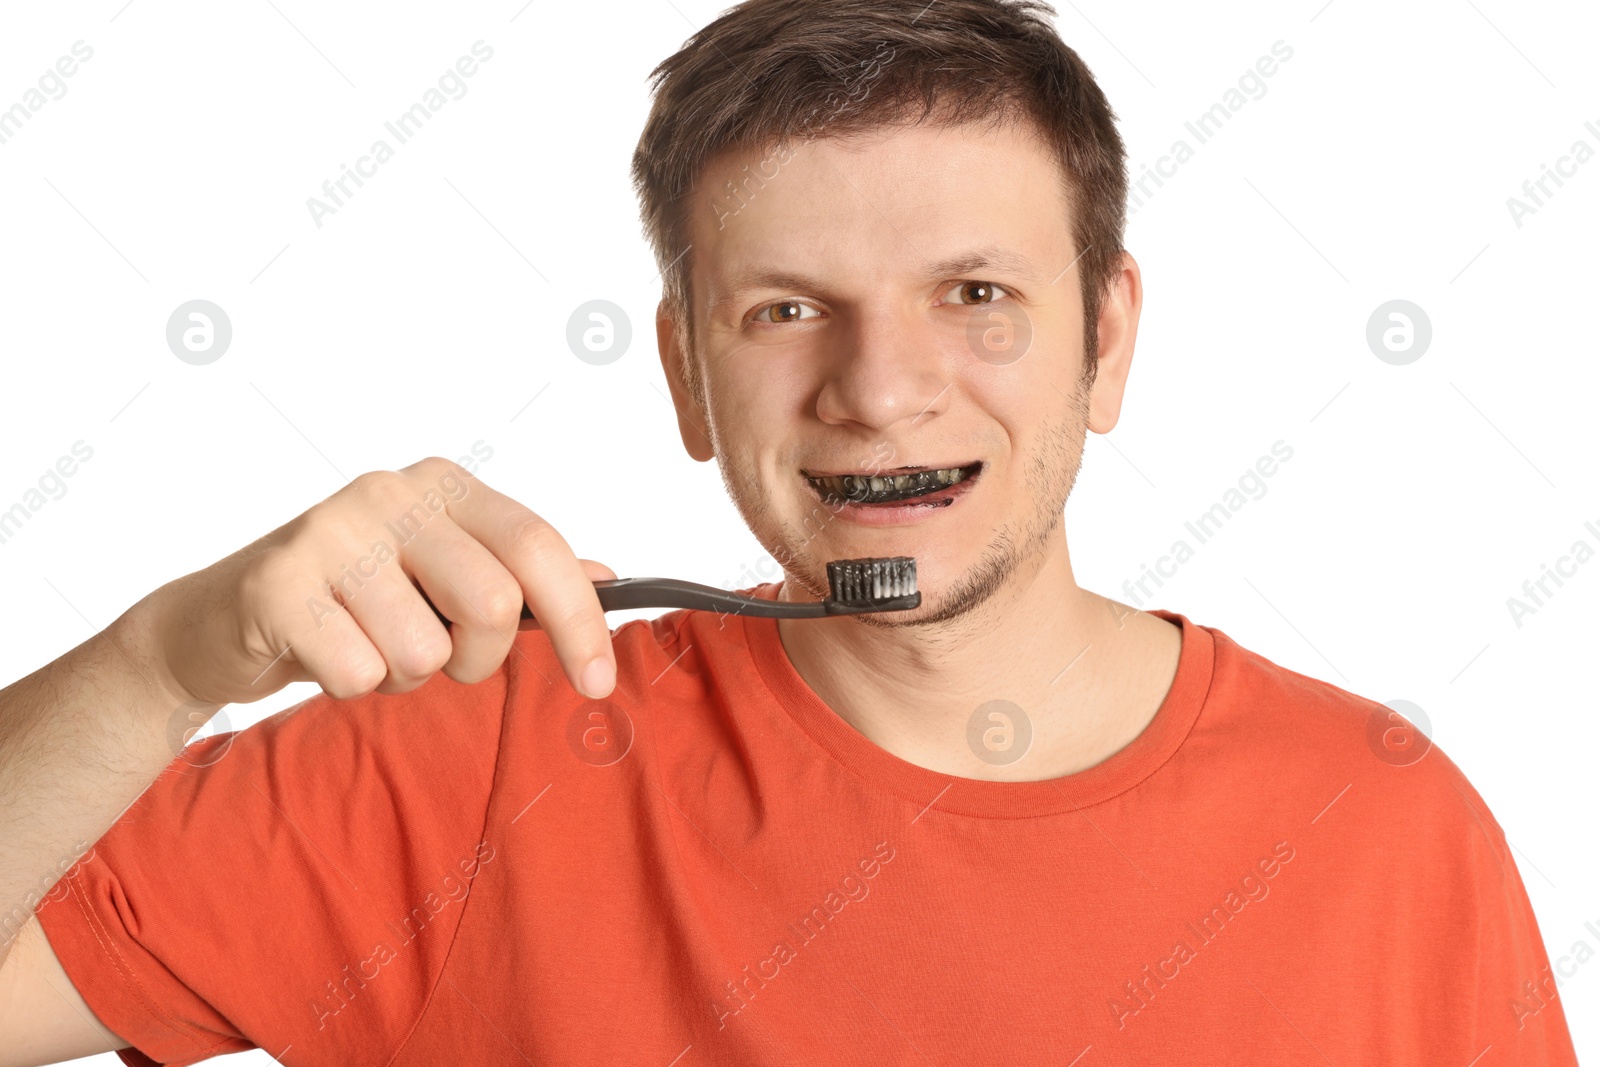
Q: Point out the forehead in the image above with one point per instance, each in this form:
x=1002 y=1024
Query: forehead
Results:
x=903 y=202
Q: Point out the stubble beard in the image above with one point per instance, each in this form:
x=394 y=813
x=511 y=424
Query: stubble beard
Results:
x=1019 y=544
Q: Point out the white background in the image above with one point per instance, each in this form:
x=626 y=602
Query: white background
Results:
x=429 y=311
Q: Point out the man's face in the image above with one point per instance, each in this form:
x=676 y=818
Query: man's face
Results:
x=876 y=307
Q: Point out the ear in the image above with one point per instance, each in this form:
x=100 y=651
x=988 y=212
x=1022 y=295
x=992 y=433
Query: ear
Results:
x=691 y=418
x=1116 y=330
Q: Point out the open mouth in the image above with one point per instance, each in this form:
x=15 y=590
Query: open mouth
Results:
x=934 y=487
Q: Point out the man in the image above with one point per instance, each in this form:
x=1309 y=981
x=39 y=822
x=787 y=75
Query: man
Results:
x=1020 y=824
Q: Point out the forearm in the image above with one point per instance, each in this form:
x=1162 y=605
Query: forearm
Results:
x=80 y=739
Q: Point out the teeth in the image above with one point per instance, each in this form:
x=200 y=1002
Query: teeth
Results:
x=871 y=488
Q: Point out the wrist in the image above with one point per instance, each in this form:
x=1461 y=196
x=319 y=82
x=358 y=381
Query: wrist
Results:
x=140 y=647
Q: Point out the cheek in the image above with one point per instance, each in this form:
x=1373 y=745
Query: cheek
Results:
x=743 y=418
x=759 y=395
x=1023 y=403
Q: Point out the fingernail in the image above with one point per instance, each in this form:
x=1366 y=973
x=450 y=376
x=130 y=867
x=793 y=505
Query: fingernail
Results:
x=597 y=678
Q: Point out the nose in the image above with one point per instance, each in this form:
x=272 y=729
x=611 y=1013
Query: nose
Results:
x=889 y=371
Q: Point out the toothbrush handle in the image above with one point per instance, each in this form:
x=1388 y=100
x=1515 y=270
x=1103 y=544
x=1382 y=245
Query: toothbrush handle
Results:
x=620 y=594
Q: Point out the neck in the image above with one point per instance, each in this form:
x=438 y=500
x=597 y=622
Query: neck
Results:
x=1082 y=674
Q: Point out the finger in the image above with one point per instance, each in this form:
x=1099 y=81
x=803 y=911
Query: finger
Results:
x=555 y=585
x=472 y=589
x=337 y=654
x=407 y=634
x=597 y=572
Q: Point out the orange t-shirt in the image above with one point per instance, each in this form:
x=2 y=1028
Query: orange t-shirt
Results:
x=711 y=867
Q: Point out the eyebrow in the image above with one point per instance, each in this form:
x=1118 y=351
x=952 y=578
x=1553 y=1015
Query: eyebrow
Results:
x=966 y=264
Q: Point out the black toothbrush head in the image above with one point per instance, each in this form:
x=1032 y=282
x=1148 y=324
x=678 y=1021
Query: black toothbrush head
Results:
x=856 y=586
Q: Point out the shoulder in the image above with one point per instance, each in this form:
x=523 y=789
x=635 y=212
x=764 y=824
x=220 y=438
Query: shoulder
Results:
x=1330 y=748
x=1403 y=879
x=643 y=648
x=675 y=664
x=680 y=647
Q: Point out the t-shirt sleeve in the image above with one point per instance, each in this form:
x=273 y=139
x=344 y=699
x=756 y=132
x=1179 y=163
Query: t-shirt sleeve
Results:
x=1517 y=1008
x=296 y=883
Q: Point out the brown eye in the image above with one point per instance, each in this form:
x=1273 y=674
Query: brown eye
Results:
x=974 y=292
x=785 y=311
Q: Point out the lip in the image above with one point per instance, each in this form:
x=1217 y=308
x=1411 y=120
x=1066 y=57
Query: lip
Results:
x=881 y=471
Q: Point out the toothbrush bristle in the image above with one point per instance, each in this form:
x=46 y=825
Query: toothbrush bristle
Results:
x=865 y=581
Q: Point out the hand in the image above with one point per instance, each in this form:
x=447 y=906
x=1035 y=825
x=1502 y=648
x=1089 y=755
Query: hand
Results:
x=332 y=596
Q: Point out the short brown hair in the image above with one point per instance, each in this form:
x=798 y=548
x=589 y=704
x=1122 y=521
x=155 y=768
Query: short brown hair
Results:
x=768 y=71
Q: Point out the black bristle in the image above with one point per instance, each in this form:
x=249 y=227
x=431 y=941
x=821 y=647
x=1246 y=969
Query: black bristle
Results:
x=868 y=581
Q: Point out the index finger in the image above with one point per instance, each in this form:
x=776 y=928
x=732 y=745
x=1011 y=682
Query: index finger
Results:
x=554 y=582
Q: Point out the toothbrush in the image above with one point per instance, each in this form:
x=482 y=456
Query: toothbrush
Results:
x=855 y=587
